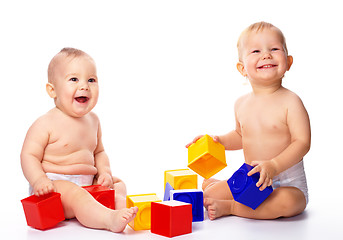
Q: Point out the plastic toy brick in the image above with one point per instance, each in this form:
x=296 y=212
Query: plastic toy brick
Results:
x=206 y=157
x=43 y=212
x=181 y=179
x=142 y=220
x=167 y=190
x=194 y=197
x=171 y=218
x=244 y=190
x=103 y=195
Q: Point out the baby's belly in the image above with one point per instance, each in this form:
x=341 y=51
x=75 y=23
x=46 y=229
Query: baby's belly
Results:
x=263 y=149
x=76 y=163
x=73 y=169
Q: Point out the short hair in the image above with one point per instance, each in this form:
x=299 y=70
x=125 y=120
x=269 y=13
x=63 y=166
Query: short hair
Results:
x=259 y=27
x=68 y=52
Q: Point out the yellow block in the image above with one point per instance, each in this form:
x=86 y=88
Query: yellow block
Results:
x=206 y=157
x=142 y=221
x=181 y=179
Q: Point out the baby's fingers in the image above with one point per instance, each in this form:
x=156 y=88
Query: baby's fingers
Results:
x=264 y=181
x=261 y=180
x=194 y=140
x=264 y=185
x=216 y=139
x=44 y=190
x=254 y=170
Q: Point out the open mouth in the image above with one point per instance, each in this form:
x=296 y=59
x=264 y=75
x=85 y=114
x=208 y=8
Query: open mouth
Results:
x=81 y=99
x=267 y=66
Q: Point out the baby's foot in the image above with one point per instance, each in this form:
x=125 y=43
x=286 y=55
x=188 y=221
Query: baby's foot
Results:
x=120 y=218
x=217 y=208
x=208 y=183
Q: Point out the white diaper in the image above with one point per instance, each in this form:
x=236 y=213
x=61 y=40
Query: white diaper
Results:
x=80 y=180
x=293 y=177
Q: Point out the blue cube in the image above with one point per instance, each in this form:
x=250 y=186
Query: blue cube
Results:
x=192 y=196
x=244 y=190
x=167 y=190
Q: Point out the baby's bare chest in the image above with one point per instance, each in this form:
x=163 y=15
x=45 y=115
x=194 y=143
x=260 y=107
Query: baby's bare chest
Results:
x=69 y=137
x=262 y=118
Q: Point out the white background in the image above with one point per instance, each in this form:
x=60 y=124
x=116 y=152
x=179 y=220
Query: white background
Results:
x=167 y=72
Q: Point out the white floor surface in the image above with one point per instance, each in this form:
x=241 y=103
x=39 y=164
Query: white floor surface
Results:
x=317 y=222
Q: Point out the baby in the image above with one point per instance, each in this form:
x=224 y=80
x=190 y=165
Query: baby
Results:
x=63 y=149
x=272 y=128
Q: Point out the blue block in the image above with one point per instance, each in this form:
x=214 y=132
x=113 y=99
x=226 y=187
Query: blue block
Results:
x=244 y=190
x=167 y=192
x=194 y=197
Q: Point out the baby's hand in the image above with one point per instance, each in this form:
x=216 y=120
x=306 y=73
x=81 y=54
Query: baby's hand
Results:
x=215 y=138
x=43 y=186
x=106 y=180
x=267 y=171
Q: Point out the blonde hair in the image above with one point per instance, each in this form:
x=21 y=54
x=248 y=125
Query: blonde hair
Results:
x=67 y=52
x=259 y=27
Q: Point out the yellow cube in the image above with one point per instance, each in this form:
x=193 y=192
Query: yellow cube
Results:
x=206 y=157
x=181 y=179
x=142 y=221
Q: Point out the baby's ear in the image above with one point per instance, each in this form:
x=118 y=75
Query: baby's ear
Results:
x=50 y=89
x=241 y=69
x=289 y=62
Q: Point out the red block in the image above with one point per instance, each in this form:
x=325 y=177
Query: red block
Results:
x=171 y=218
x=103 y=195
x=43 y=212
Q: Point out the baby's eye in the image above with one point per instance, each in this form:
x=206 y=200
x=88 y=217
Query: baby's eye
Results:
x=255 y=51
x=73 y=79
x=275 y=49
x=91 y=80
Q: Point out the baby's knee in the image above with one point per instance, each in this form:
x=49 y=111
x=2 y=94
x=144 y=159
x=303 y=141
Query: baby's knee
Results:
x=119 y=185
x=293 y=203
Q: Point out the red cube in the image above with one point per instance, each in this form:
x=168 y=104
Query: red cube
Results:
x=103 y=195
x=43 y=212
x=171 y=218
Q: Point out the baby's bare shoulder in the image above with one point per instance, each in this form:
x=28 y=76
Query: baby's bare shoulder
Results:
x=290 y=98
x=93 y=116
x=242 y=99
x=44 y=121
x=40 y=128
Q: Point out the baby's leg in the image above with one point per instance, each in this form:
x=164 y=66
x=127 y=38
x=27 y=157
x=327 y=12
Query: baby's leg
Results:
x=77 y=202
x=283 y=202
x=217 y=198
x=216 y=189
x=208 y=182
x=120 y=191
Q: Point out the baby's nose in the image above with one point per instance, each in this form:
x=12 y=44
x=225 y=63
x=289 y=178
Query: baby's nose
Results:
x=266 y=55
x=84 y=86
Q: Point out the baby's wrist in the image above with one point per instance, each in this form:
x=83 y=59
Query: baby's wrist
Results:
x=103 y=174
x=40 y=179
x=275 y=165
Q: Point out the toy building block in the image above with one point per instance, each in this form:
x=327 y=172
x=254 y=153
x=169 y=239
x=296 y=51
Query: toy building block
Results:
x=244 y=190
x=167 y=190
x=194 y=197
x=43 y=212
x=181 y=179
x=142 y=221
x=206 y=157
x=103 y=195
x=171 y=218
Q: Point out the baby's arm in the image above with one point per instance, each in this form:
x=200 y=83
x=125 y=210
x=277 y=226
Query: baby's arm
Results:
x=233 y=139
x=298 y=123
x=102 y=163
x=31 y=158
